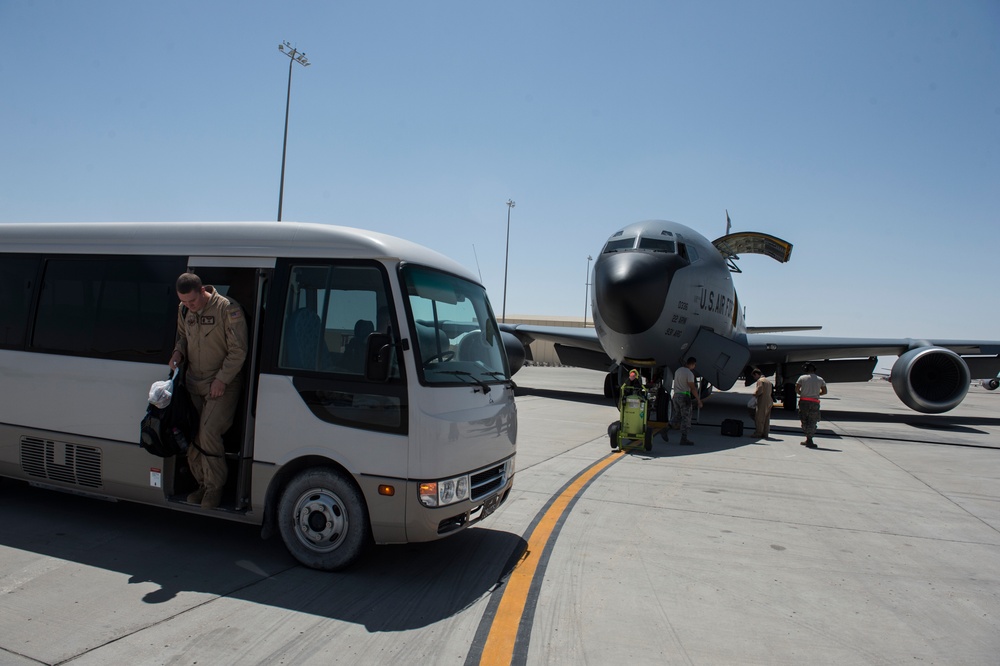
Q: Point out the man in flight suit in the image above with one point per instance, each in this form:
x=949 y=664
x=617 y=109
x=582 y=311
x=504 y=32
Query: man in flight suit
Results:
x=212 y=340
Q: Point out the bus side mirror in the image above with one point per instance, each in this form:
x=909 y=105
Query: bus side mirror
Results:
x=378 y=355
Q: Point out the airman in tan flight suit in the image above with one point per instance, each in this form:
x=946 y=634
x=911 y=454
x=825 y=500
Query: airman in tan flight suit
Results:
x=212 y=340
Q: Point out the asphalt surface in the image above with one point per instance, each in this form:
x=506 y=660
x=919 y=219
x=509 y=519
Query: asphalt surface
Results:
x=880 y=547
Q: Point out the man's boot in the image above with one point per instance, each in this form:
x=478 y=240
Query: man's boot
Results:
x=211 y=499
x=196 y=496
x=684 y=440
x=810 y=444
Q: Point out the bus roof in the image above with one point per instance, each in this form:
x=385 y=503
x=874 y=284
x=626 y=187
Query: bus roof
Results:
x=231 y=239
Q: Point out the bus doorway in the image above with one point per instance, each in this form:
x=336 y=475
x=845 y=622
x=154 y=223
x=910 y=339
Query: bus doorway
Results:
x=242 y=281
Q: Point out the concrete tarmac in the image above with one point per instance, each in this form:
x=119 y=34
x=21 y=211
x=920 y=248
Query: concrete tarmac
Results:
x=880 y=547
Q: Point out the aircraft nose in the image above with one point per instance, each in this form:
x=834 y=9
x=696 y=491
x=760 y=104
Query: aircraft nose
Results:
x=630 y=288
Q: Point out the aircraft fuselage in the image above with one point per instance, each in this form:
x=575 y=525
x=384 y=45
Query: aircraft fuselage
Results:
x=657 y=286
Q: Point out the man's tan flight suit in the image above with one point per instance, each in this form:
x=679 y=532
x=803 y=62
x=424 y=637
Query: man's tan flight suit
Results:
x=213 y=342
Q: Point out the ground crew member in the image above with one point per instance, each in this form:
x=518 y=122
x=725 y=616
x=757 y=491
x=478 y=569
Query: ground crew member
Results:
x=810 y=387
x=685 y=396
x=633 y=382
x=762 y=412
x=212 y=340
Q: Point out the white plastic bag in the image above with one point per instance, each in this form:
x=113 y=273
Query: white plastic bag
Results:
x=161 y=392
x=752 y=403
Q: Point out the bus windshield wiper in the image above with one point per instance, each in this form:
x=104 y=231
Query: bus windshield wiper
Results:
x=504 y=378
x=463 y=373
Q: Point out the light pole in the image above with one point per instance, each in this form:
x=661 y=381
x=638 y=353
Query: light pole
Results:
x=295 y=56
x=586 y=292
x=503 y=315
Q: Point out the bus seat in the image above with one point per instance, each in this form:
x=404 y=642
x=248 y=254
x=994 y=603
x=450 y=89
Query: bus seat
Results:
x=472 y=348
x=304 y=344
x=354 y=352
x=431 y=340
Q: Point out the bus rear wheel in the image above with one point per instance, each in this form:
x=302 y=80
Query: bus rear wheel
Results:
x=323 y=520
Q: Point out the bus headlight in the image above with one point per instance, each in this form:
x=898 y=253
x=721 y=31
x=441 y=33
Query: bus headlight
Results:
x=447 y=491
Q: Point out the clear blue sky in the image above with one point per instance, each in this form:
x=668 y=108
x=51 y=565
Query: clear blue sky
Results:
x=865 y=133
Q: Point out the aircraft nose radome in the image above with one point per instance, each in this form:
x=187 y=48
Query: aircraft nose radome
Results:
x=630 y=288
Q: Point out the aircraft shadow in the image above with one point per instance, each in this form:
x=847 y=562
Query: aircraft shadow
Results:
x=707 y=439
x=393 y=588
x=941 y=422
x=565 y=395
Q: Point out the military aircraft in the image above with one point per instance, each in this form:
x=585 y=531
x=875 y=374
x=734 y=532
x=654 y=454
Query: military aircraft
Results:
x=663 y=292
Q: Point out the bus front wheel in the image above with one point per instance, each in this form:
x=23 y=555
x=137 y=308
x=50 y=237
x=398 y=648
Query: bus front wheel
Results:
x=323 y=520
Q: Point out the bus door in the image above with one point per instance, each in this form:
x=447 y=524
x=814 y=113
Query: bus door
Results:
x=244 y=280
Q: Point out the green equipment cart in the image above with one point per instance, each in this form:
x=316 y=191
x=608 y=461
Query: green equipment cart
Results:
x=630 y=431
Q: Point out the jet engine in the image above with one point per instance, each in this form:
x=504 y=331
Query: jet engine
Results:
x=990 y=384
x=515 y=351
x=930 y=379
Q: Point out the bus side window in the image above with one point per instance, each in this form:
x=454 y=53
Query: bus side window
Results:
x=17 y=279
x=331 y=310
x=108 y=307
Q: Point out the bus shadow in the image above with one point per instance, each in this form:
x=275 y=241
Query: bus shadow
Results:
x=393 y=588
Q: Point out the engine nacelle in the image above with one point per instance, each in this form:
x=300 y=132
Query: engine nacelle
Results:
x=930 y=379
x=515 y=351
x=990 y=384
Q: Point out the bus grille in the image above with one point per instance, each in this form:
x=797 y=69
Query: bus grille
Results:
x=488 y=481
x=61 y=461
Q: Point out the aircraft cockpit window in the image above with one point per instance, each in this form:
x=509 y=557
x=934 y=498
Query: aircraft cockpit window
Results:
x=619 y=244
x=657 y=245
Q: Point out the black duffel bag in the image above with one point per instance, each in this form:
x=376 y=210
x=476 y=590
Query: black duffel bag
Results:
x=169 y=425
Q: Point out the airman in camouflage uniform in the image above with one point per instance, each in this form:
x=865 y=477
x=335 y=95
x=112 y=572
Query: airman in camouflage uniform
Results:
x=685 y=397
x=810 y=387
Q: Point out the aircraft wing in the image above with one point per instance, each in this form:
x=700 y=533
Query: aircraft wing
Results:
x=838 y=359
x=780 y=329
x=982 y=356
x=578 y=347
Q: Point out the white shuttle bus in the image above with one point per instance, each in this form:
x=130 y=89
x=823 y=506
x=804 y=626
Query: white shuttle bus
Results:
x=377 y=403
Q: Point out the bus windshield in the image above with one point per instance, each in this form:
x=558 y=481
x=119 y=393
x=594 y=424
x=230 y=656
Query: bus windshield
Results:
x=455 y=333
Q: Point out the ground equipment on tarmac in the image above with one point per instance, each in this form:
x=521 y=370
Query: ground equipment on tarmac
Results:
x=732 y=427
x=631 y=431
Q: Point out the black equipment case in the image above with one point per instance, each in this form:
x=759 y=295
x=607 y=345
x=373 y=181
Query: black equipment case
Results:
x=732 y=427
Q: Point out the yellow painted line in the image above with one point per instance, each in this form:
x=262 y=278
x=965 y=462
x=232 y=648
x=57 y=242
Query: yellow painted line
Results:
x=499 y=647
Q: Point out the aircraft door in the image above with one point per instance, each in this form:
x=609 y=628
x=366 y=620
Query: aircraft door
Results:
x=720 y=359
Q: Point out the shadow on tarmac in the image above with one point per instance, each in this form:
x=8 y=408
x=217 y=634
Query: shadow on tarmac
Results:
x=943 y=422
x=564 y=394
x=393 y=588
x=707 y=439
